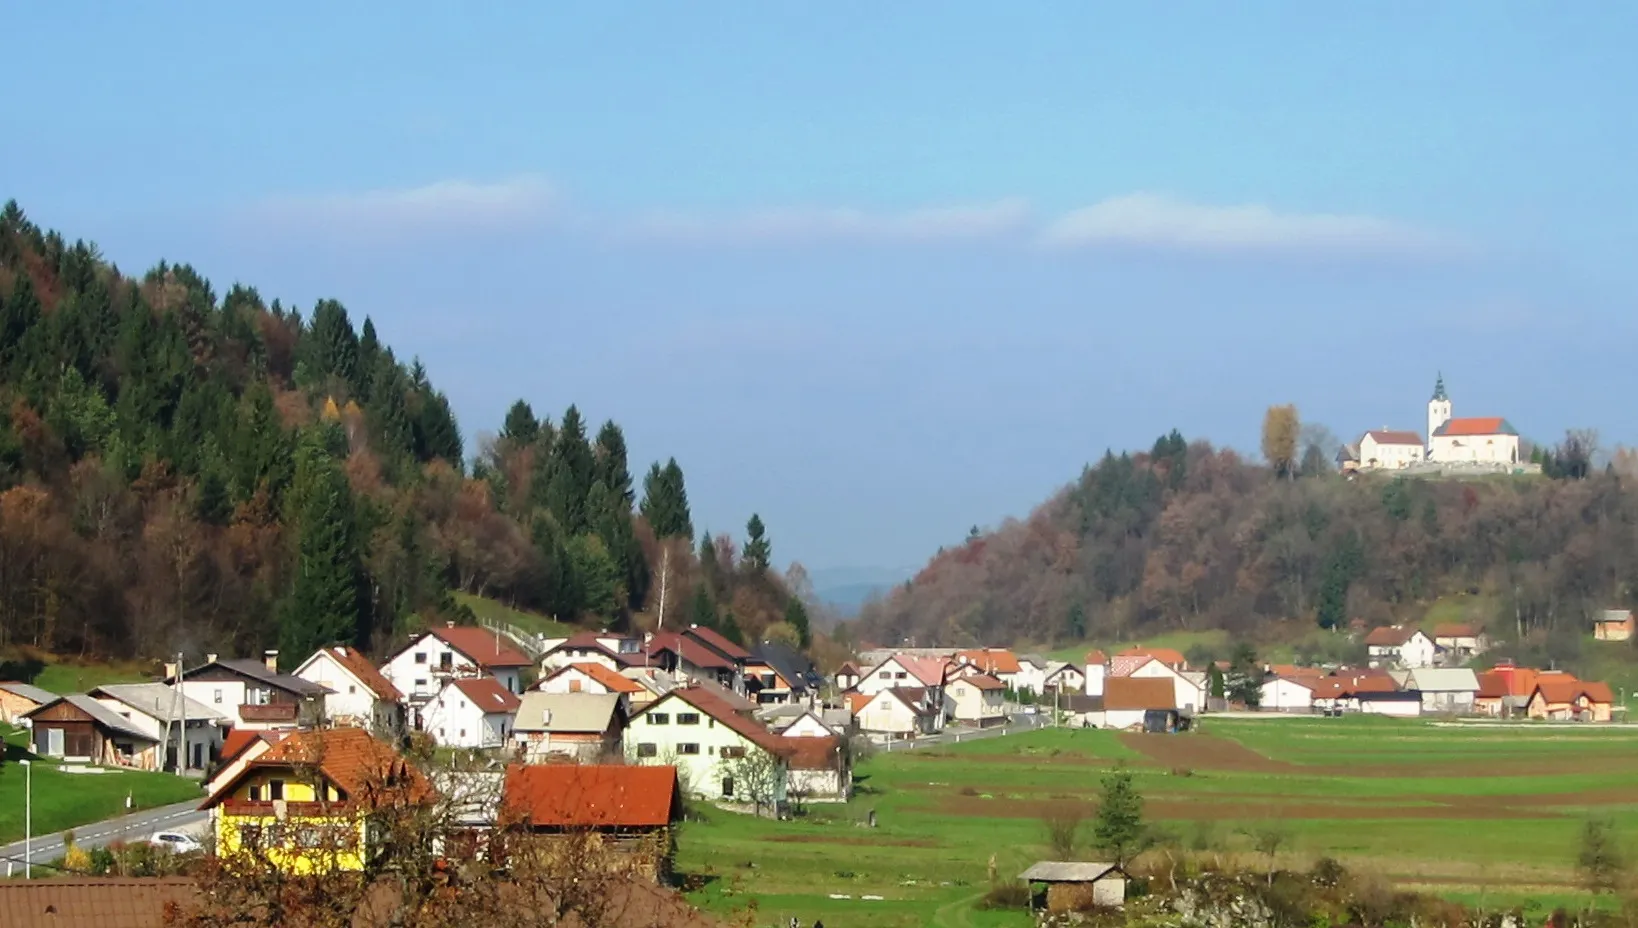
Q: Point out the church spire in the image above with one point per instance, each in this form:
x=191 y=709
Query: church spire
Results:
x=1439 y=388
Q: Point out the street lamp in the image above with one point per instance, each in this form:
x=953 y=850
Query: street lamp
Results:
x=28 y=818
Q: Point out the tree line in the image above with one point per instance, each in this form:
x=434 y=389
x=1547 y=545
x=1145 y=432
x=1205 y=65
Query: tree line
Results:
x=183 y=470
x=1189 y=536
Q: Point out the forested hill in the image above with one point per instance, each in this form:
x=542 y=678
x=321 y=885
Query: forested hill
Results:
x=182 y=470
x=1190 y=537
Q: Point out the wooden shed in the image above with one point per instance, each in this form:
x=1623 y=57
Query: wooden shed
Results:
x=78 y=728
x=1074 y=885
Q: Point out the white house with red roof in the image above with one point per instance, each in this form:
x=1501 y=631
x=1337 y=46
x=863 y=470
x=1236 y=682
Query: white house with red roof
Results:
x=686 y=656
x=978 y=699
x=912 y=671
x=612 y=650
x=420 y=669
x=1390 y=449
x=359 y=695
x=899 y=712
x=597 y=680
x=471 y=712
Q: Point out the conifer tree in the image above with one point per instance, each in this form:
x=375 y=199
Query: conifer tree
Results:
x=521 y=428
x=611 y=468
x=665 y=501
x=330 y=346
x=796 y=616
x=570 y=477
x=758 y=550
x=324 y=604
x=702 y=611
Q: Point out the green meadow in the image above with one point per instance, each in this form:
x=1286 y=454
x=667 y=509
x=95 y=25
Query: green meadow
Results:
x=1483 y=814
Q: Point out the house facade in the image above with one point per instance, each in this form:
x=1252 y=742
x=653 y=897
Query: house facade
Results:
x=471 y=712
x=1400 y=645
x=191 y=732
x=634 y=809
x=594 y=679
x=1445 y=689
x=1390 y=449
x=1281 y=694
x=1613 y=625
x=720 y=754
x=1064 y=677
x=821 y=770
x=19 y=699
x=1132 y=702
x=1460 y=642
x=77 y=728
x=899 y=712
x=978 y=699
x=1571 y=701
x=1187 y=695
x=584 y=727
x=254 y=694
x=421 y=668
x=905 y=671
x=359 y=695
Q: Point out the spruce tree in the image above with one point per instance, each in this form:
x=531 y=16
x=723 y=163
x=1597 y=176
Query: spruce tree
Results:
x=1119 y=826
x=324 y=604
x=758 y=550
x=570 y=478
x=521 y=428
x=665 y=501
x=19 y=314
x=710 y=566
x=329 y=347
x=796 y=616
x=611 y=468
x=702 y=611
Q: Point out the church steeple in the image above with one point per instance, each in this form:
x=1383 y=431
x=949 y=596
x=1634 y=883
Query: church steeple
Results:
x=1439 y=388
x=1438 y=408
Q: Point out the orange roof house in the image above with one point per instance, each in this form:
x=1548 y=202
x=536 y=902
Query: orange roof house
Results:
x=613 y=797
x=596 y=673
x=990 y=660
x=1167 y=656
x=1571 y=700
x=1475 y=427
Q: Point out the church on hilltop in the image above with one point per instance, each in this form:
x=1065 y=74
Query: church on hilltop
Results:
x=1490 y=442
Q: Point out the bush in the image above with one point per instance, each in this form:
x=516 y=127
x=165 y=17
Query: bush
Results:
x=1182 y=772
x=1013 y=894
x=1328 y=871
x=102 y=861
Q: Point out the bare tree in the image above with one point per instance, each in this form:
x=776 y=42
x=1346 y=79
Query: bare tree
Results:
x=1062 y=823
x=756 y=777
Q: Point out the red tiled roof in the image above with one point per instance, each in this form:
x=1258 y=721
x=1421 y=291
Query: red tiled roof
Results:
x=1492 y=685
x=814 y=753
x=1395 y=437
x=482 y=645
x=355 y=663
x=93 y=902
x=351 y=758
x=689 y=650
x=856 y=701
x=928 y=671
x=985 y=682
x=723 y=711
x=1487 y=425
x=913 y=697
x=1167 y=656
x=1456 y=630
x=1096 y=656
x=715 y=640
x=848 y=667
x=239 y=740
x=1567 y=691
x=603 y=675
x=991 y=660
x=588 y=641
x=1126 y=693
x=487 y=694
x=1390 y=636
x=592 y=796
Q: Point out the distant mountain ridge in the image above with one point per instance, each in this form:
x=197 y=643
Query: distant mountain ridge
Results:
x=846 y=589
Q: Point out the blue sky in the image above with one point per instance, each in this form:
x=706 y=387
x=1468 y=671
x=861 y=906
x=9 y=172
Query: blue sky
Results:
x=884 y=271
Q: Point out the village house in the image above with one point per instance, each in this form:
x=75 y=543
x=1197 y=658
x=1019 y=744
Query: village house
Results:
x=1571 y=700
x=470 y=712
x=1288 y=693
x=306 y=803
x=1458 y=643
x=1097 y=668
x=359 y=695
x=717 y=751
x=1188 y=696
x=898 y=712
x=1341 y=691
x=1031 y=677
x=187 y=728
x=808 y=723
x=254 y=694
x=847 y=676
x=978 y=699
x=909 y=671
x=736 y=656
x=1613 y=625
x=1389 y=449
x=821 y=770
x=77 y=728
x=1149 y=703
x=612 y=650
x=1063 y=677
x=634 y=808
x=1444 y=689
x=583 y=727
x=595 y=679
x=1168 y=656
x=1491 y=699
x=1400 y=645
x=778 y=674
x=996 y=662
x=19 y=699
x=686 y=657
x=239 y=748
x=421 y=668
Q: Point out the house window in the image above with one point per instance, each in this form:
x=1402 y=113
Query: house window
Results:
x=574 y=686
x=688 y=718
x=275 y=790
x=648 y=749
x=733 y=752
x=255 y=793
x=351 y=690
x=886 y=675
x=659 y=718
x=727 y=787
x=217 y=695
x=420 y=684
x=688 y=749
x=446 y=662
x=463 y=733
x=420 y=657
x=900 y=675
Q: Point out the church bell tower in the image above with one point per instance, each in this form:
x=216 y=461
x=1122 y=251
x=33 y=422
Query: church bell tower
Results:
x=1438 y=408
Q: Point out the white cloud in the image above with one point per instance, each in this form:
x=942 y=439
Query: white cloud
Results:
x=1147 y=220
x=444 y=203
x=815 y=224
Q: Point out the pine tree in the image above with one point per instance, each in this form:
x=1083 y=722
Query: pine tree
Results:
x=601 y=587
x=521 y=428
x=330 y=346
x=19 y=315
x=665 y=501
x=436 y=435
x=570 y=478
x=324 y=604
x=611 y=468
x=610 y=518
x=702 y=611
x=710 y=566
x=1119 y=826
x=369 y=360
x=758 y=550
x=796 y=616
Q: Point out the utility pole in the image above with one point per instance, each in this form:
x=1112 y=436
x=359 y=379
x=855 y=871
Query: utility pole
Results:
x=28 y=818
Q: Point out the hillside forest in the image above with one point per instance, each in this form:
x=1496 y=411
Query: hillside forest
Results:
x=182 y=470
x=1186 y=536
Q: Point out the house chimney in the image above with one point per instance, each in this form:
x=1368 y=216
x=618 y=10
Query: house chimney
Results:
x=449 y=623
x=546 y=716
x=171 y=668
x=270 y=657
x=211 y=658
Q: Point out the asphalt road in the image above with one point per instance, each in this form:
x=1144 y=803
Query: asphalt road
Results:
x=182 y=816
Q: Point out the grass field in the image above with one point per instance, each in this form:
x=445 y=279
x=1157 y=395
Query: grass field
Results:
x=62 y=678
x=496 y=611
x=67 y=800
x=1476 y=813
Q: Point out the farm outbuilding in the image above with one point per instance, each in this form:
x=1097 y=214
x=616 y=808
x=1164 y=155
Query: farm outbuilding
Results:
x=1074 y=886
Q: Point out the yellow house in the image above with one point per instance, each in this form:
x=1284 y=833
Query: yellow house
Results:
x=312 y=802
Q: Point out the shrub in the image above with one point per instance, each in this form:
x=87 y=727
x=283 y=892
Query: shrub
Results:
x=101 y=861
x=968 y=791
x=1328 y=871
x=1013 y=894
x=1182 y=772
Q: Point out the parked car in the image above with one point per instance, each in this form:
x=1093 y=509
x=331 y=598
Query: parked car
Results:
x=176 y=842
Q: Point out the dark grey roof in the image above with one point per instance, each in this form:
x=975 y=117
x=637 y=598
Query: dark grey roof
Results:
x=28 y=691
x=792 y=664
x=1068 y=871
x=1079 y=702
x=105 y=716
x=256 y=670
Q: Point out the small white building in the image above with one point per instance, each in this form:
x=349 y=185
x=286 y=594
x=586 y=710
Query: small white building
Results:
x=421 y=669
x=806 y=725
x=714 y=748
x=1460 y=642
x=1188 y=697
x=1390 y=449
x=978 y=699
x=1400 y=704
x=1400 y=645
x=907 y=671
x=821 y=770
x=595 y=679
x=1032 y=671
x=900 y=712
x=1128 y=701
x=471 y=712
x=195 y=730
x=1444 y=689
x=1064 y=677
x=1286 y=695
x=1097 y=668
x=359 y=695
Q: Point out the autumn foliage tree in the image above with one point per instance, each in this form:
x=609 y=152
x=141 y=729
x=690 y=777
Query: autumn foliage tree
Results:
x=1281 y=429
